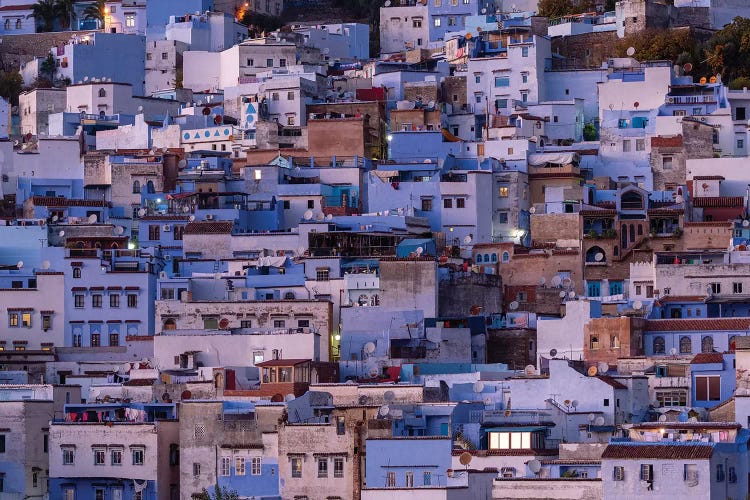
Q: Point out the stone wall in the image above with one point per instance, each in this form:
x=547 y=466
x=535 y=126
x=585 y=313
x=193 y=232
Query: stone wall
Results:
x=454 y=91
x=515 y=347
x=460 y=293
x=588 y=50
x=18 y=49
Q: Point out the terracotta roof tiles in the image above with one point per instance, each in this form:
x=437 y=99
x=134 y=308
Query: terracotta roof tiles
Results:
x=707 y=324
x=220 y=227
x=719 y=202
x=658 y=451
x=707 y=358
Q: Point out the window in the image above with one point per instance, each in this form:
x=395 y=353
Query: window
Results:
x=732 y=475
x=79 y=301
x=715 y=288
x=13 y=319
x=132 y=300
x=258 y=356
x=525 y=79
x=674 y=397
x=626 y=146
x=426 y=204
x=256 y=466
x=409 y=479
x=666 y=163
x=296 y=467
x=720 y=476
x=116 y=457
x=130 y=20
x=114 y=339
x=274 y=96
x=501 y=104
x=502 y=81
x=269 y=64
x=250 y=62
x=640 y=144
x=196 y=469
x=96 y=300
x=138 y=456
x=524 y=52
x=149 y=56
x=224 y=466
x=416 y=23
x=618 y=473
x=686 y=345
x=427 y=478
x=154 y=232
x=96 y=340
x=99 y=457
x=282 y=62
x=102 y=93
x=448 y=203
x=452 y=21
x=659 y=345
x=338 y=467
x=98 y=494
x=322 y=274
x=340 y=426
x=647 y=472
x=594 y=288
x=69 y=455
x=239 y=466
x=740 y=143
x=594 y=342
x=76 y=272
x=502 y=191
x=460 y=203
x=707 y=344
x=279 y=323
x=178 y=231
x=322 y=467
x=390 y=480
x=708 y=388
x=436 y=22
x=114 y=300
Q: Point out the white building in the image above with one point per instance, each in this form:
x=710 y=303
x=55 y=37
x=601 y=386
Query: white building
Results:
x=209 y=31
x=163 y=60
x=35 y=106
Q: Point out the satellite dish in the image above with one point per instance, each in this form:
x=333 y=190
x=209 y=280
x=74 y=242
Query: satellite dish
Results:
x=191 y=218
x=387 y=3
x=467 y=240
x=19 y=265
x=384 y=410
x=602 y=367
x=687 y=67
x=320 y=216
x=308 y=215
x=745 y=223
x=599 y=257
x=300 y=250
x=419 y=251
x=55 y=218
x=478 y=386
x=289 y=397
x=389 y=396
x=637 y=305
x=369 y=347
x=572 y=294
x=630 y=52
x=662 y=418
x=141 y=212
x=182 y=164
x=329 y=217
x=542 y=281
x=552 y=353
x=186 y=394
x=165 y=396
x=591 y=417
x=592 y=371
x=140 y=109
x=673 y=351
x=374 y=373
x=599 y=420
x=186 y=209
x=693 y=420
x=465 y=458
x=45 y=264
x=513 y=305
x=206 y=111
x=484 y=11
x=92 y=219
x=529 y=370
x=562 y=294
x=119 y=230
x=556 y=280
x=678 y=199
x=61 y=234
x=574 y=403
x=532 y=210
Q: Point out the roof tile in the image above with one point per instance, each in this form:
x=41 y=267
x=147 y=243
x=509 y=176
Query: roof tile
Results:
x=707 y=324
x=671 y=451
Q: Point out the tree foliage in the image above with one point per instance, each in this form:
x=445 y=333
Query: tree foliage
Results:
x=10 y=86
x=95 y=11
x=44 y=13
x=260 y=23
x=559 y=8
x=677 y=46
x=728 y=50
x=219 y=493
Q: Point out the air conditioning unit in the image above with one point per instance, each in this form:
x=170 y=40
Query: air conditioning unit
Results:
x=209 y=217
x=166 y=228
x=167 y=257
x=703 y=118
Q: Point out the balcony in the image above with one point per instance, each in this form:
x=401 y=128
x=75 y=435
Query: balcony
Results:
x=690 y=99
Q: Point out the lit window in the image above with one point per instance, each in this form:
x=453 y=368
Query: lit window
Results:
x=239 y=466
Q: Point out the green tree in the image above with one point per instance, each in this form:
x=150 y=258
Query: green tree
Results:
x=65 y=13
x=220 y=493
x=95 y=11
x=677 y=46
x=47 y=71
x=589 y=132
x=728 y=50
x=44 y=13
x=559 y=8
x=10 y=86
x=740 y=83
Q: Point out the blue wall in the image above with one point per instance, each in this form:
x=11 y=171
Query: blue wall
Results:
x=400 y=456
x=85 y=489
x=113 y=55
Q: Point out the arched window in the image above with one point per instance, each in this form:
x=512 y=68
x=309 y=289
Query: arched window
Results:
x=640 y=230
x=136 y=187
x=506 y=256
x=632 y=233
x=102 y=93
x=479 y=258
x=486 y=257
x=631 y=200
x=686 y=345
x=150 y=187
x=7 y=24
x=659 y=345
x=494 y=257
x=375 y=300
x=731 y=343
x=76 y=272
x=596 y=254
x=18 y=24
x=616 y=251
x=594 y=342
x=169 y=324
x=624 y=236
x=707 y=344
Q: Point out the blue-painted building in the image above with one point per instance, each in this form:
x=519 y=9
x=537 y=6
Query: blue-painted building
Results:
x=692 y=336
x=713 y=379
x=408 y=462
